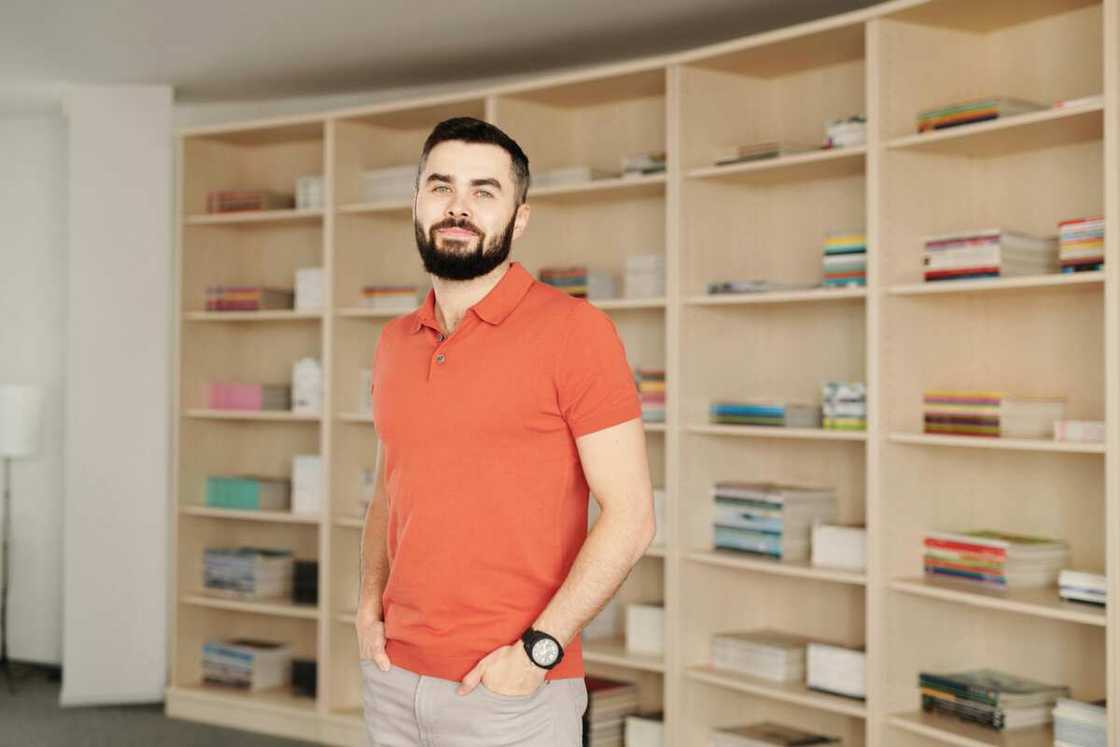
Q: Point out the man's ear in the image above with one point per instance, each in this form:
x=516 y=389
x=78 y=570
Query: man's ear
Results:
x=521 y=219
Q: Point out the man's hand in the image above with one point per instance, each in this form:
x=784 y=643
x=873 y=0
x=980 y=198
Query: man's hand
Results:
x=371 y=639
x=507 y=671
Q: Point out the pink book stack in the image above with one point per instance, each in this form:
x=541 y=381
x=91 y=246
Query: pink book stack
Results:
x=231 y=395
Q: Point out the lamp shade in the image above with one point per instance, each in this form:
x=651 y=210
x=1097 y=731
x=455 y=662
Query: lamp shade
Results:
x=20 y=416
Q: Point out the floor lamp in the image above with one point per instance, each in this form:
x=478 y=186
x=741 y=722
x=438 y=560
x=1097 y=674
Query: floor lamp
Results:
x=20 y=413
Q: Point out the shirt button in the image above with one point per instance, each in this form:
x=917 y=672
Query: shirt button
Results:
x=439 y=337
x=439 y=358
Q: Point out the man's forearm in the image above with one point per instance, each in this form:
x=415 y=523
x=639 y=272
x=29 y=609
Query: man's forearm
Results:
x=611 y=550
x=374 y=561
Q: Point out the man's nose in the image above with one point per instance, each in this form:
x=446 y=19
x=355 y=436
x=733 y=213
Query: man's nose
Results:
x=458 y=207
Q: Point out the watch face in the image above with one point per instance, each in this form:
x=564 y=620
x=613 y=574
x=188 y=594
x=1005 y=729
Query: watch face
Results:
x=545 y=651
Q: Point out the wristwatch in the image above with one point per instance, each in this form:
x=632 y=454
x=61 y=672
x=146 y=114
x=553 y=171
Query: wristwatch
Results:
x=544 y=650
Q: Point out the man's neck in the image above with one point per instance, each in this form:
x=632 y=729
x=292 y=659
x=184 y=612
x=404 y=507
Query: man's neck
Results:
x=454 y=297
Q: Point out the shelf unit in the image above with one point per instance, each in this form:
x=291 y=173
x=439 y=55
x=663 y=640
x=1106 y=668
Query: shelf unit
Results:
x=1051 y=333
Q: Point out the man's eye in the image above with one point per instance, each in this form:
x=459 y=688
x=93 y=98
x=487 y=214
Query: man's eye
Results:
x=438 y=187
x=484 y=193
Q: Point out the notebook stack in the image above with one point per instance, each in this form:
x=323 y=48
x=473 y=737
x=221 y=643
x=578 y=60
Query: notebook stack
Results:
x=996 y=560
x=570 y=175
x=580 y=281
x=248 y=572
x=236 y=200
x=767 y=734
x=248 y=493
x=755 y=286
x=1081 y=586
x=640 y=164
x=992 y=414
x=388 y=184
x=644 y=276
x=246 y=663
x=389 y=297
x=768 y=518
x=1081 y=244
x=844 y=405
x=230 y=395
x=836 y=669
x=766 y=412
x=990 y=698
x=651 y=392
x=1080 y=724
x=763 y=150
x=248 y=298
x=987 y=253
x=845 y=259
x=840 y=547
x=645 y=730
x=764 y=653
x=609 y=702
x=846 y=133
x=974 y=110
x=309 y=192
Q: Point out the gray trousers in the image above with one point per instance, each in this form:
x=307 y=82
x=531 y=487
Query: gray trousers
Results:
x=405 y=709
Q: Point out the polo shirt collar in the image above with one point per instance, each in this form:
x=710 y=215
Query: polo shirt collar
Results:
x=494 y=306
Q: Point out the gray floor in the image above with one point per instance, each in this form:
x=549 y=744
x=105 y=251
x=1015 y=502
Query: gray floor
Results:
x=32 y=718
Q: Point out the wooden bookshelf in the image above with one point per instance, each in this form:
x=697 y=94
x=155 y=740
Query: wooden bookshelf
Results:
x=760 y=219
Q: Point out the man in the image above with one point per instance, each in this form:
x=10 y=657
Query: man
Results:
x=498 y=404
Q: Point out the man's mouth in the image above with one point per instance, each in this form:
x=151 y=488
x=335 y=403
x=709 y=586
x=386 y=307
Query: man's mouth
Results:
x=457 y=233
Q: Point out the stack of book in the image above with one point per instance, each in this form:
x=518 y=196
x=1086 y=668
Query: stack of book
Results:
x=845 y=259
x=841 y=547
x=248 y=298
x=570 y=175
x=246 y=663
x=1080 y=724
x=307 y=484
x=990 y=698
x=757 y=285
x=767 y=734
x=763 y=150
x=836 y=669
x=309 y=192
x=229 y=395
x=846 y=133
x=609 y=702
x=580 y=281
x=248 y=492
x=640 y=164
x=992 y=414
x=974 y=110
x=987 y=253
x=389 y=297
x=309 y=288
x=248 y=572
x=1081 y=244
x=997 y=560
x=388 y=184
x=1079 y=431
x=764 y=653
x=644 y=276
x=766 y=412
x=769 y=519
x=844 y=405
x=651 y=392
x=236 y=200
x=1082 y=586
x=645 y=730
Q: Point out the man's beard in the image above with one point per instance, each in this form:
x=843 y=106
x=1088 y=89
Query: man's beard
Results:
x=452 y=264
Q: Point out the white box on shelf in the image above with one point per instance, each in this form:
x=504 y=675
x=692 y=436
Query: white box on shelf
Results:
x=645 y=730
x=309 y=192
x=840 y=547
x=307 y=484
x=836 y=669
x=307 y=387
x=309 y=288
x=645 y=629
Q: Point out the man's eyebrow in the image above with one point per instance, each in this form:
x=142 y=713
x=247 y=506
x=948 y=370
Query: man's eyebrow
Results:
x=474 y=182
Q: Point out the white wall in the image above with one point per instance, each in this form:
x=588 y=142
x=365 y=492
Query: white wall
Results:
x=117 y=426
x=33 y=302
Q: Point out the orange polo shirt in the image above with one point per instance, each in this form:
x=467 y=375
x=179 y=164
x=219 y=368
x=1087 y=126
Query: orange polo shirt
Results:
x=486 y=495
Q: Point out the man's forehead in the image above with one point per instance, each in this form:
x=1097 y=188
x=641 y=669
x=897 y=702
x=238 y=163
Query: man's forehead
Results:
x=461 y=160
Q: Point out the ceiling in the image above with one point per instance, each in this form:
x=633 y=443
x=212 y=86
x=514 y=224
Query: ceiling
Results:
x=258 y=49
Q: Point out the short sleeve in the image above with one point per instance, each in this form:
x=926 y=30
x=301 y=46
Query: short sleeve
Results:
x=594 y=382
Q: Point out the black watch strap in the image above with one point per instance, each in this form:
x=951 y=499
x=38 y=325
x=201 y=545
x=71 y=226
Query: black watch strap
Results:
x=531 y=637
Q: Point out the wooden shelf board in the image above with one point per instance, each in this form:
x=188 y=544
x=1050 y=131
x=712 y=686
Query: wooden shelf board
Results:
x=280 y=699
x=254 y=216
x=789 y=692
x=284 y=517
x=1033 y=130
x=823 y=163
x=401 y=205
x=355 y=417
x=362 y=313
x=613 y=651
x=271 y=315
x=650 y=184
x=983 y=442
x=626 y=304
x=655 y=427
x=767 y=431
x=951 y=731
x=1052 y=280
x=281 y=415
x=810 y=295
x=757 y=563
x=279 y=609
x=349 y=522
x=1037 y=602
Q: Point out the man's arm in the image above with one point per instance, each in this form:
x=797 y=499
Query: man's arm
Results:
x=615 y=465
x=373 y=567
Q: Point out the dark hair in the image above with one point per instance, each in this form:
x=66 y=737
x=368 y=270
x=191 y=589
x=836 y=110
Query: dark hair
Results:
x=471 y=130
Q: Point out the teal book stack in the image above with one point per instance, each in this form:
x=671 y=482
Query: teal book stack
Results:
x=248 y=493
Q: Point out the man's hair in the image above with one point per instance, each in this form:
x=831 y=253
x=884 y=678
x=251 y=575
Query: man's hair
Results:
x=471 y=130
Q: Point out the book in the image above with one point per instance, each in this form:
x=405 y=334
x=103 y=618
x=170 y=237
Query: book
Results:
x=836 y=669
x=767 y=734
x=998 y=560
x=764 y=653
x=763 y=150
x=973 y=110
